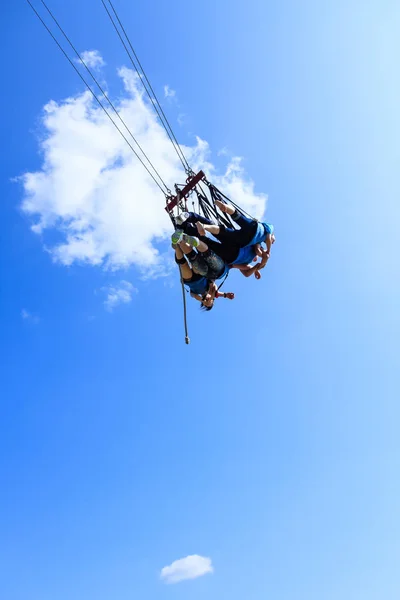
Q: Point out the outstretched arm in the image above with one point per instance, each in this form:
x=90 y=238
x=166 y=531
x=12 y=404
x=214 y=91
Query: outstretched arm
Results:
x=247 y=270
x=229 y=295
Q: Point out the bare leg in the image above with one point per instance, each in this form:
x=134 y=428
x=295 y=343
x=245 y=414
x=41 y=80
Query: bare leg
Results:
x=214 y=229
x=186 y=271
x=200 y=229
x=197 y=263
x=225 y=208
x=201 y=247
x=185 y=248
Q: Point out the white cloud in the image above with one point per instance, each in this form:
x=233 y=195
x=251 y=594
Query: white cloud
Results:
x=121 y=294
x=190 y=567
x=93 y=59
x=96 y=196
x=169 y=92
x=223 y=152
x=27 y=316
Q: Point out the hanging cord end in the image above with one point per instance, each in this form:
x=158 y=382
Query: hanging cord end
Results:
x=187 y=340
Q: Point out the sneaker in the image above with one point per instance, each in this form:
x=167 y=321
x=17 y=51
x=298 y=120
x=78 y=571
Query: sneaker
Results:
x=177 y=236
x=191 y=240
x=182 y=218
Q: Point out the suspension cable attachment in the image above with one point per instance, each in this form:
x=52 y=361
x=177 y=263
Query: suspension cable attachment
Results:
x=185 y=191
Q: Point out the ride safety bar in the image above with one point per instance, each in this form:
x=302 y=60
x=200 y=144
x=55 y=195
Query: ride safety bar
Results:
x=184 y=191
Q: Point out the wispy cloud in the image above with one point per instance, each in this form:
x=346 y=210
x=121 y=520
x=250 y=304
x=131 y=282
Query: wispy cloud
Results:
x=190 y=567
x=93 y=59
x=96 y=195
x=28 y=316
x=169 y=92
x=118 y=294
x=223 y=151
x=182 y=118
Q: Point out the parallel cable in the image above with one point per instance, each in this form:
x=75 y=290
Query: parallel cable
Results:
x=103 y=92
x=96 y=98
x=153 y=98
x=159 y=110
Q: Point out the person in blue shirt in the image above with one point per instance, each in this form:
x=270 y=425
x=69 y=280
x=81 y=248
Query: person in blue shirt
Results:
x=237 y=247
x=199 y=270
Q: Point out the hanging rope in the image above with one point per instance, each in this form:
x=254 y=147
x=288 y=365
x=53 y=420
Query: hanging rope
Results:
x=144 y=79
x=166 y=191
x=185 y=324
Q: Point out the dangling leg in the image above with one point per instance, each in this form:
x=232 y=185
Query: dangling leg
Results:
x=240 y=237
x=186 y=271
x=199 y=266
x=248 y=226
x=225 y=208
x=213 y=229
x=188 y=218
x=227 y=251
x=237 y=237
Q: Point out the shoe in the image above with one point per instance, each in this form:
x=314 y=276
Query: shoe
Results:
x=177 y=236
x=182 y=218
x=191 y=240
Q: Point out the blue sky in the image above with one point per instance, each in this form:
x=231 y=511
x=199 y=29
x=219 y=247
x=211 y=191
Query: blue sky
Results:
x=270 y=444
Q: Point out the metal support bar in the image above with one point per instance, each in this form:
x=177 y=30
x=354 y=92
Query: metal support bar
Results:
x=183 y=192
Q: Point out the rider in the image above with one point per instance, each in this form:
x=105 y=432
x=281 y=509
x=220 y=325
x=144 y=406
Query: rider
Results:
x=199 y=276
x=237 y=247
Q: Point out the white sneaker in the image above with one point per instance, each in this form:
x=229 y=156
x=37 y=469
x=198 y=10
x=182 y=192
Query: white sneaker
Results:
x=180 y=219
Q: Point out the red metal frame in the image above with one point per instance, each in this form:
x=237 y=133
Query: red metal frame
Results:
x=183 y=192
